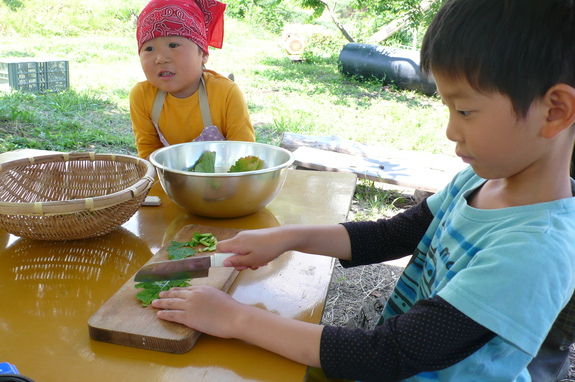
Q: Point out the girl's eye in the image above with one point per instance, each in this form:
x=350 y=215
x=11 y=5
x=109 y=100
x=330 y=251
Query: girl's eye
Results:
x=173 y=45
x=463 y=113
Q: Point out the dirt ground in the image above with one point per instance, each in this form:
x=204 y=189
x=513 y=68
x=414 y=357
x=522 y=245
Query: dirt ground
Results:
x=354 y=291
x=357 y=295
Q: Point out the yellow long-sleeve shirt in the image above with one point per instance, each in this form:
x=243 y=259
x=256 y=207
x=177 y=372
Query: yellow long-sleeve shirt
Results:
x=180 y=119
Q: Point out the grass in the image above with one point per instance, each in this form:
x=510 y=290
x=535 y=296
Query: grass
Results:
x=283 y=96
x=374 y=200
x=68 y=121
x=310 y=97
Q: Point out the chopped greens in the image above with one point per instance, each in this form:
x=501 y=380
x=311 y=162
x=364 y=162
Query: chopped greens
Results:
x=151 y=289
x=176 y=251
x=181 y=250
x=208 y=240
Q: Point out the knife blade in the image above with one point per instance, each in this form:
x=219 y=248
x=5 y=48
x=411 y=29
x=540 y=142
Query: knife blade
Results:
x=192 y=267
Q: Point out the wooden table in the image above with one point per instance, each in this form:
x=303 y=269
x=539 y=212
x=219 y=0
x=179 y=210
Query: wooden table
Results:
x=51 y=289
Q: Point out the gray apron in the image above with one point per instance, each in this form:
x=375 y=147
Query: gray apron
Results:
x=209 y=133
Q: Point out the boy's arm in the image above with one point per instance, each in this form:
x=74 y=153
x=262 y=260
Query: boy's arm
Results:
x=388 y=239
x=353 y=243
x=433 y=335
x=255 y=248
x=293 y=339
x=214 y=312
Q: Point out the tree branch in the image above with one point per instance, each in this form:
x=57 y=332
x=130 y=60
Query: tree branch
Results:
x=337 y=23
x=396 y=25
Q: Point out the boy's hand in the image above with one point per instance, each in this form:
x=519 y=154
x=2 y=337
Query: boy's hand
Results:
x=214 y=312
x=203 y=308
x=254 y=248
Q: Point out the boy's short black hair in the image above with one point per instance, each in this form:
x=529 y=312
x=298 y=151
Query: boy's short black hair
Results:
x=519 y=48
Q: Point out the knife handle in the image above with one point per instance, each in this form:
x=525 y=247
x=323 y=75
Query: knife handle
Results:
x=217 y=259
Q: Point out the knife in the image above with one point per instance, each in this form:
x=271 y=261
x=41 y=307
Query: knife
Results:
x=192 y=267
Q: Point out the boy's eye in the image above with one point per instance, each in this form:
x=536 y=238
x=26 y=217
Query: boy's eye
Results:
x=173 y=45
x=148 y=49
x=463 y=113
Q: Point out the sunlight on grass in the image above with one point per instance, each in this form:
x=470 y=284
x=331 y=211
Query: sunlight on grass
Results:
x=374 y=202
x=311 y=97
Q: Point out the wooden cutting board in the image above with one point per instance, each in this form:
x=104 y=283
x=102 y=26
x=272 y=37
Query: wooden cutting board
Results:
x=122 y=319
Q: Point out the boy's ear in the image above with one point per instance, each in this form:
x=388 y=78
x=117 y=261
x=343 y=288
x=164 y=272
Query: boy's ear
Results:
x=560 y=105
x=205 y=58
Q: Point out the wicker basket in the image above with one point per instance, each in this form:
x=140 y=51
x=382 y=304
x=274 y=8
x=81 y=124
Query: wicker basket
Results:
x=72 y=195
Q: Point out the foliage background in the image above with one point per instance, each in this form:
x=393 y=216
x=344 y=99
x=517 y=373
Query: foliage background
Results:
x=309 y=97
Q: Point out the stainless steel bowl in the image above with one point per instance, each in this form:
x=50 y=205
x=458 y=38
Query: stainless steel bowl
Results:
x=221 y=194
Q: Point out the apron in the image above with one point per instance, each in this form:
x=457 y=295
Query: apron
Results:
x=209 y=133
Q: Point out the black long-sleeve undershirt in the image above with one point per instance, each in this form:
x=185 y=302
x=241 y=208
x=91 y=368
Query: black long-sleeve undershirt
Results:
x=432 y=335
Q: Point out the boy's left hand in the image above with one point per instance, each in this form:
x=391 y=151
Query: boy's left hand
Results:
x=203 y=308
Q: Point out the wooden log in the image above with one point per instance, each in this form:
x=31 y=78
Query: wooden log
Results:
x=423 y=171
x=292 y=141
x=403 y=173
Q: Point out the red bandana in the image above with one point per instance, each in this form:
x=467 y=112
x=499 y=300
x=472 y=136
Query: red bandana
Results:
x=200 y=21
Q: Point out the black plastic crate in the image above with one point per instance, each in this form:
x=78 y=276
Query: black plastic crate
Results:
x=35 y=75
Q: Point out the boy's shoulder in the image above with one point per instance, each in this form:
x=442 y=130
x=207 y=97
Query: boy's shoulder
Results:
x=465 y=179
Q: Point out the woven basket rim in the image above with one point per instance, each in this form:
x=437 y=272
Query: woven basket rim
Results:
x=65 y=207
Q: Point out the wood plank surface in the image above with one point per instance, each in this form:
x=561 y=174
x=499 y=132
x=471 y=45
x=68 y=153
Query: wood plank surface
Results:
x=292 y=141
x=122 y=319
x=407 y=172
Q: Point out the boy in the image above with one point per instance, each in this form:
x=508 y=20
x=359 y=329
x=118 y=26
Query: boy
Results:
x=172 y=105
x=493 y=253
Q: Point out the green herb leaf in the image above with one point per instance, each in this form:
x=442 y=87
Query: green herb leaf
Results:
x=151 y=289
x=178 y=250
x=182 y=250
x=206 y=163
x=249 y=163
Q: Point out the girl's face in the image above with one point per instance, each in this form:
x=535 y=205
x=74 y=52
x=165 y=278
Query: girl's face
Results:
x=488 y=134
x=173 y=64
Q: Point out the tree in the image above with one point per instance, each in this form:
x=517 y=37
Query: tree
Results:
x=333 y=17
x=397 y=14
x=374 y=20
x=396 y=25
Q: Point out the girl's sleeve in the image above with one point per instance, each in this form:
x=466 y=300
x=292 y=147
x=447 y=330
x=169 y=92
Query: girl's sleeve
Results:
x=387 y=239
x=147 y=140
x=238 y=125
x=433 y=335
